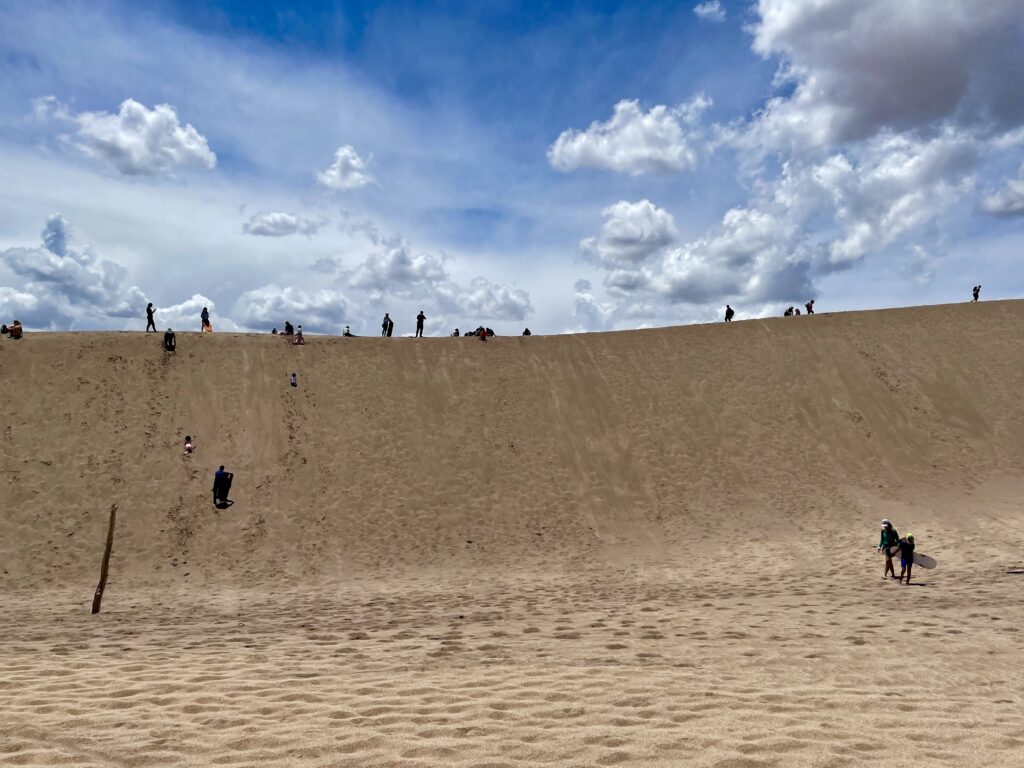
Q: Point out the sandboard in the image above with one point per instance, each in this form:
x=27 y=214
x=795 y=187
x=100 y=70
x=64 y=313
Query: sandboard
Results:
x=921 y=560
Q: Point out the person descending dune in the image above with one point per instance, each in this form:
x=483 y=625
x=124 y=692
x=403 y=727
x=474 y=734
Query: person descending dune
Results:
x=906 y=557
x=221 y=486
x=170 y=342
x=886 y=541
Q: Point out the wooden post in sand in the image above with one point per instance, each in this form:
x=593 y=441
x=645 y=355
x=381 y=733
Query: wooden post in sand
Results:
x=98 y=597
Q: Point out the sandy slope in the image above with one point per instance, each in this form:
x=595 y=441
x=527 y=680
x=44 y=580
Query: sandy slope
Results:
x=639 y=548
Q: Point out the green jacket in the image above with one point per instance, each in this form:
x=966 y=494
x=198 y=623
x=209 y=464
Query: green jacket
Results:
x=889 y=538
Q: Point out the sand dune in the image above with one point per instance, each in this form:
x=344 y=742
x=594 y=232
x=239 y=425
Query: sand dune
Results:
x=638 y=548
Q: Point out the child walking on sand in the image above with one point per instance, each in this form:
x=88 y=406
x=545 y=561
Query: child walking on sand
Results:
x=906 y=557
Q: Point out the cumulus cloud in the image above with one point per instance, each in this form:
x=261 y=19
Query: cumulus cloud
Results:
x=186 y=315
x=137 y=141
x=1008 y=201
x=630 y=235
x=482 y=300
x=280 y=224
x=814 y=219
x=64 y=284
x=858 y=67
x=396 y=269
x=319 y=311
x=661 y=140
x=710 y=11
x=348 y=171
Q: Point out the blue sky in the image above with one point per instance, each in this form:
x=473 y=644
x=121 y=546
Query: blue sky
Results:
x=566 y=166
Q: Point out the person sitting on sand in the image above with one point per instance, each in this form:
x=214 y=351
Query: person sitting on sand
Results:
x=526 y=332
x=298 y=337
x=456 y=332
x=190 y=445
x=348 y=333
x=14 y=330
x=906 y=557
x=788 y=312
x=288 y=329
x=886 y=541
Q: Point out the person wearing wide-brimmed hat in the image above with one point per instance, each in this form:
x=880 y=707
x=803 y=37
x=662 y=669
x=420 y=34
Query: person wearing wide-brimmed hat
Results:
x=889 y=538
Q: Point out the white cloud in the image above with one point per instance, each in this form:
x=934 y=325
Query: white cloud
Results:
x=1008 y=201
x=67 y=284
x=348 y=171
x=320 y=311
x=630 y=235
x=861 y=66
x=397 y=270
x=661 y=140
x=278 y=224
x=136 y=141
x=710 y=11
x=814 y=219
x=482 y=301
x=187 y=316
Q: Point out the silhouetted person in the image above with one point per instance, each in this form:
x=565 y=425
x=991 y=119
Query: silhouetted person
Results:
x=170 y=342
x=289 y=329
x=797 y=311
x=149 y=318
x=729 y=313
x=273 y=331
x=788 y=312
x=391 y=327
x=976 y=290
x=221 y=485
x=527 y=332
x=456 y=332
x=384 y=324
x=295 y=380
x=419 y=324
x=809 y=306
x=347 y=333
x=205 y=317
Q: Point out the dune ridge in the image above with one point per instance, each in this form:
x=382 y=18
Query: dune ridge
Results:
x=635 y=548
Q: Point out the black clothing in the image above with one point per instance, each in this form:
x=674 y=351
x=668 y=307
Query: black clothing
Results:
x=289 y=329
x=729 y=313
x=419 y=324
x=170 y=343
x=149 y=320
x=527 y=332
x=809 y=306
x=391 y=327
x=221 y=485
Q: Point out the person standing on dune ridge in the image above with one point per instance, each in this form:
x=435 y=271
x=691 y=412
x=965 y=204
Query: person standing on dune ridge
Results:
x=729 y=312
x=150 y=323
x=976 y=291
x=420 y=318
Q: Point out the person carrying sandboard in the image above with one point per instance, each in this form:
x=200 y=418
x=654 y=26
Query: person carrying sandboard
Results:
x=889 y=538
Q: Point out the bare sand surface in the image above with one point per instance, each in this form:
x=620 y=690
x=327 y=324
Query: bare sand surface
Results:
x=648 y=548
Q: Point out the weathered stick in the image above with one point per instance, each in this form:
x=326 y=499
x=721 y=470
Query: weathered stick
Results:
x=98 y=597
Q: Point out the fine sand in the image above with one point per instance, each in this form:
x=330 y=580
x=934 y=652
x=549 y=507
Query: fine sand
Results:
x=647 y=548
